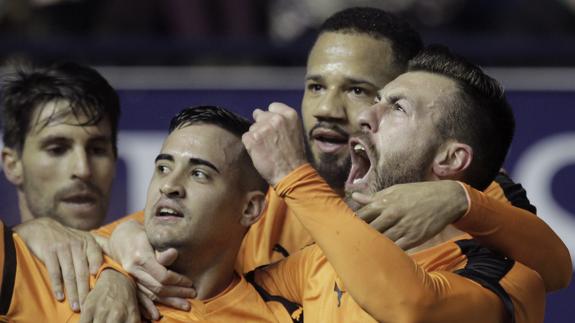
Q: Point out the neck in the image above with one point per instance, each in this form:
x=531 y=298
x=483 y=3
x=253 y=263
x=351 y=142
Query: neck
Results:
x=211 y=270
x=25 y=214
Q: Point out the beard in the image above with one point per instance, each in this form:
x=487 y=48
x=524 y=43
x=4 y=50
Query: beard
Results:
x=334 y=169
x=398 y=167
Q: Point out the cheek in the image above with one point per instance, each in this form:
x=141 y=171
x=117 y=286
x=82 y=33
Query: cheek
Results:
x=308 y=122
x=106 y=170
x=353 y=111
x=41 y=168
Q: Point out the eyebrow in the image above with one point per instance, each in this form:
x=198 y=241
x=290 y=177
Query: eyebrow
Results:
x=351 y=80
x=63 y=138
x=192 y=161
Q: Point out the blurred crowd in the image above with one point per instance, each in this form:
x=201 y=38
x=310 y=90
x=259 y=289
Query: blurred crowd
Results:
x=272 y=32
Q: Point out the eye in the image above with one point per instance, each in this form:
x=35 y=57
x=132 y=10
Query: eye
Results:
x=99 y=150
x=200 y=174
x=358 y=91
x=162 y=169
x=314 y=87
x=397 y=107
x=56 y=150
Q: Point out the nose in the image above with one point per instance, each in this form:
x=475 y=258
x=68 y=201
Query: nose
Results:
x=172 y=187
x=368 y=119
x=81 y=167
x=331 y=108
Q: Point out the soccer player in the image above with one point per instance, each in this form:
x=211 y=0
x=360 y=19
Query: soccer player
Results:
x=59 y=131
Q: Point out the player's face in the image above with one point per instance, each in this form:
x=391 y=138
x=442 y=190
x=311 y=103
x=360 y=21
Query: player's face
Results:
x=400 y=137
x=67 y=169
x=194 y=198
x=344 y=72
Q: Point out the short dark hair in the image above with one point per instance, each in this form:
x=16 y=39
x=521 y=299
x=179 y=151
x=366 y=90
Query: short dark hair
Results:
x=227 y=120
x=28 y=88
x=379 y=24
x=479 y=116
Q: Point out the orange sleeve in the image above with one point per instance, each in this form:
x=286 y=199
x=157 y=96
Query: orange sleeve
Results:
x=106 y=231
x=363 y=258
x=275 y=236
x=517 y=233
x=289 y=277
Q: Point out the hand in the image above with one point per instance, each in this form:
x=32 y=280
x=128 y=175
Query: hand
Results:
x=113 y=299
x=411 y=214
x=69 y=255
x=129 y=245
x=275 y=142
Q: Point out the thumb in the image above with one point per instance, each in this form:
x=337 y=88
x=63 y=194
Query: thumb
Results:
x=361 y=198
x=166 y=257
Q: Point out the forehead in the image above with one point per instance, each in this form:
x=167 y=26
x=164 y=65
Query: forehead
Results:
x=56 y=118
x=355 y=55
x=208 y=142
x=422 y=87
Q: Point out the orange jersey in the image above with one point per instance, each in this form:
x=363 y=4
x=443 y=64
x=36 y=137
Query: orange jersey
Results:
x=455 y=281
x=491 y=218
x=278 y=234
x=26 y=295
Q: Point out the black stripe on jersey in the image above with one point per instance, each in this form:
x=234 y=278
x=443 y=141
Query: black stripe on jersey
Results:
x=9 y=272
x=280 y=249
x=487 y=268
x=514 y=192
x=291 y=307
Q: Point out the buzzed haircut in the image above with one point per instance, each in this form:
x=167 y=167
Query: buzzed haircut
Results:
x=379 y=24
x=29 y=88
x=479 y=116
x=227 y=120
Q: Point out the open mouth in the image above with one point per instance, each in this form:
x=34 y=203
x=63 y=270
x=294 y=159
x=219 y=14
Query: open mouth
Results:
x=328 y=140
x=361 y=164
x=165 y=211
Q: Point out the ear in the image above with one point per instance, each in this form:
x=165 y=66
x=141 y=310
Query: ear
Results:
x=253 y=208
x=452 y=160
x=12 y=165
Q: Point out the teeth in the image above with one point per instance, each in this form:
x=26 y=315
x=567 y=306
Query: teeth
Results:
x=357 y=180
x=358 y=148
x=167 y=210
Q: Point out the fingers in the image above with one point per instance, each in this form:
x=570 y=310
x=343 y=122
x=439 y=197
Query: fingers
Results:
x=362 y=198
x=369 y=212
x=406 y=243
x=55 y=274
x=384 y=223
x=69 y=276
x=80 y=263
x=147 y=306
x=94 y=254
x=283 y=109
x=175 y=302
x=166 y=257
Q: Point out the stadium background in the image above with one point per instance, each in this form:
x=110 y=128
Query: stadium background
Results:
x=163 y=56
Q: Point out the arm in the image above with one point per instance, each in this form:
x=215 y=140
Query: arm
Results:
x=518 y=234
x=418 y=295
x=410 y=214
